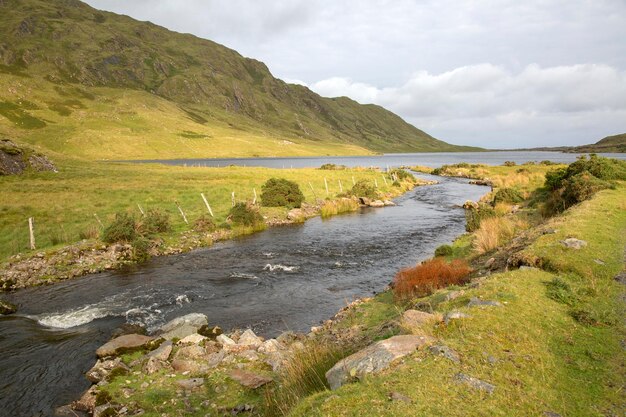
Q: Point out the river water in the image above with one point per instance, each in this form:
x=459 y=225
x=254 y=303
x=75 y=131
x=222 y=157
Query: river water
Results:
x=285 y=278
x=430 y=159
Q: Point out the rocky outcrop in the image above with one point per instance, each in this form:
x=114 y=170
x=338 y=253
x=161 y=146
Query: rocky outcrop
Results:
x=14 y=159
x=374 y=358
x=123 y=343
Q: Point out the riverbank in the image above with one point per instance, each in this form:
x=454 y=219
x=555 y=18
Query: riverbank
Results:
x=538 y=336
x=90 y=196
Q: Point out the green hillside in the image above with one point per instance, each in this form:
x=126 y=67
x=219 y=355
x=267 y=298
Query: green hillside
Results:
x=98 y=85
x=615 y=143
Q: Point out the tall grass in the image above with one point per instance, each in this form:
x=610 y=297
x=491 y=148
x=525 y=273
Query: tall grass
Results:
x=494 y=232
x=334 y=207
x=304 y=374
x=425 y=278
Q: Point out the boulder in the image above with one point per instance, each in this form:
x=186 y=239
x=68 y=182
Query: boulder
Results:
x=270 y=346
x=225 y=340
x=574 y=243
x=469 y=204
x=123 y=343
x=454 y=315
x=187 y=365
x=248 y=338
x=183 y=326
x=249 y=379
x=377 y=203
x=295 y=214
x=163 y=352
x=210 y=332
x=7 y=308
x=189 y=384
x=192 y=339
x=475 y=383
x=190 y=352
x=87 y=401
x=389 y=203
x=102 y=369
x=180 y=332
x=414 y=319
x=276 y=360
x=249 y=355
x=154 y=365
x=374 y=358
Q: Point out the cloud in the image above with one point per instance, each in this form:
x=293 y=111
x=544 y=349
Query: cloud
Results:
x=563 y=103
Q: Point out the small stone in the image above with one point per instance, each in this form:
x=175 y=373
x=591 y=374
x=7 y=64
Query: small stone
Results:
x=7 y=308
x=475 y=383
x=573 y=243
x=192 y=339
x=389 y=203
x=249 y=379
x=551 y=414
x=189 y=384
x=396 y=396
x=453 y=295
x=190 y=352
x=490 y=262
x=276 y=360
x=377 y=203
x=102 y=369
x=454 y=315
x=87 y=401
x=415 y=318
x=153 y=365
x=446 y=352
x=182 y=365
x=249 y=355
x=163 y=352
x=599 y=261
x=270 y=346
x=477 y=302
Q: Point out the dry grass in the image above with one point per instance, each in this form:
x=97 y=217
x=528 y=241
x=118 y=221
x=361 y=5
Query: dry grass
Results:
x=494 y=232
x=334 y=207
x=502 y=209
x=423 y=279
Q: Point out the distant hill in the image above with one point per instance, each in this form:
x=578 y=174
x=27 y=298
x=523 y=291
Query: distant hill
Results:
x=610 y=144
x=99 y=85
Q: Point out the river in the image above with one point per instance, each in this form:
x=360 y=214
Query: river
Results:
x=285 y=278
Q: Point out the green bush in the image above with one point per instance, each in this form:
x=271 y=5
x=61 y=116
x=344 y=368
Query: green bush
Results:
x=555 y=178
x=582 y=187
x=443 y=250
x=508 y=195
x=599 y=167
x=509 y=164
x=401 y=174
x=333 y=167
x=364 y=188
x=123 y=229
x=244 y=215
x=204 y=224
x=280 y=192
x=155 y=221
x=474 y=216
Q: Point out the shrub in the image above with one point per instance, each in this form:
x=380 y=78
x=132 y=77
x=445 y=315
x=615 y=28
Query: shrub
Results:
x=204 y=224
x=555 y=178
x=507 y=195
x=547 y=162
x=364 y=188
x=280 y=192
x=90 y=232
x=123 y=229
x=475 y=216
x=599 y=167
x=155 y=221
x=424 y=279
x=444 y=250
x=401 y=174
x=244 y=215
x=333 y=167
x=582 y=187
x=509 y=164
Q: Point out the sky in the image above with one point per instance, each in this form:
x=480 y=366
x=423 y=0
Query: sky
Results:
x=492 y=73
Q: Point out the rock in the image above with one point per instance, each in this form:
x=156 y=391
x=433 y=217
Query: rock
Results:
x=210 y=332
x=475 y=383
x=196 y=320
x=189 y=384
x=490 y=262
x=87 y=401
x=190 y=352
x=414 y=319
x=454 y=315
x=7 y=308
x=249 y=355
x=225 y=340
x=599 y=261
x=295 y=214
x=192 y=339
x=123 y=343
x=389 y=203
x=296 y=346
x=376 y=203
x=396 y=396
x=163 y=352
x=249 y=379
x=214 y=359
x=453 y=295
x=364 y=201
x=288 y=337
x=477 y=302
x=248 y=338
x=127 y=328
x=191 y=366
x=68 y=411
x=374 y=358
x=446 y=352
x=469 y=204
x=106 y=410
x=270 y=346
x=154 y=365
x=551 y=414
x=102 y=369
x=276 y=360
x=180 y=332
x=574 y=243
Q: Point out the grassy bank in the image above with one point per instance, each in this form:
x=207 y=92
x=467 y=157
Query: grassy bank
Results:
x=63 y=204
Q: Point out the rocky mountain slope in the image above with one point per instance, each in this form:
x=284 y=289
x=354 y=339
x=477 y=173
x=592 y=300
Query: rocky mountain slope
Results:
x=83 y=60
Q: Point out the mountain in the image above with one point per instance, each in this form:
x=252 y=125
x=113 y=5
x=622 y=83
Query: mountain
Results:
x=615 y=143
x=100 y=85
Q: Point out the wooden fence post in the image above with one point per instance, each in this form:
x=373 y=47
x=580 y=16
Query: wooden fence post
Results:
x=385 y=179
x=313 y=189
x=182 y=213
x=326 y=184
x=340 y=187
x=207 y=205
x=31 y=230
x=353 y=182
x=254 y=201
x=375 y=182
x=232 y=198
x=141 y=210
x=98 y=219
